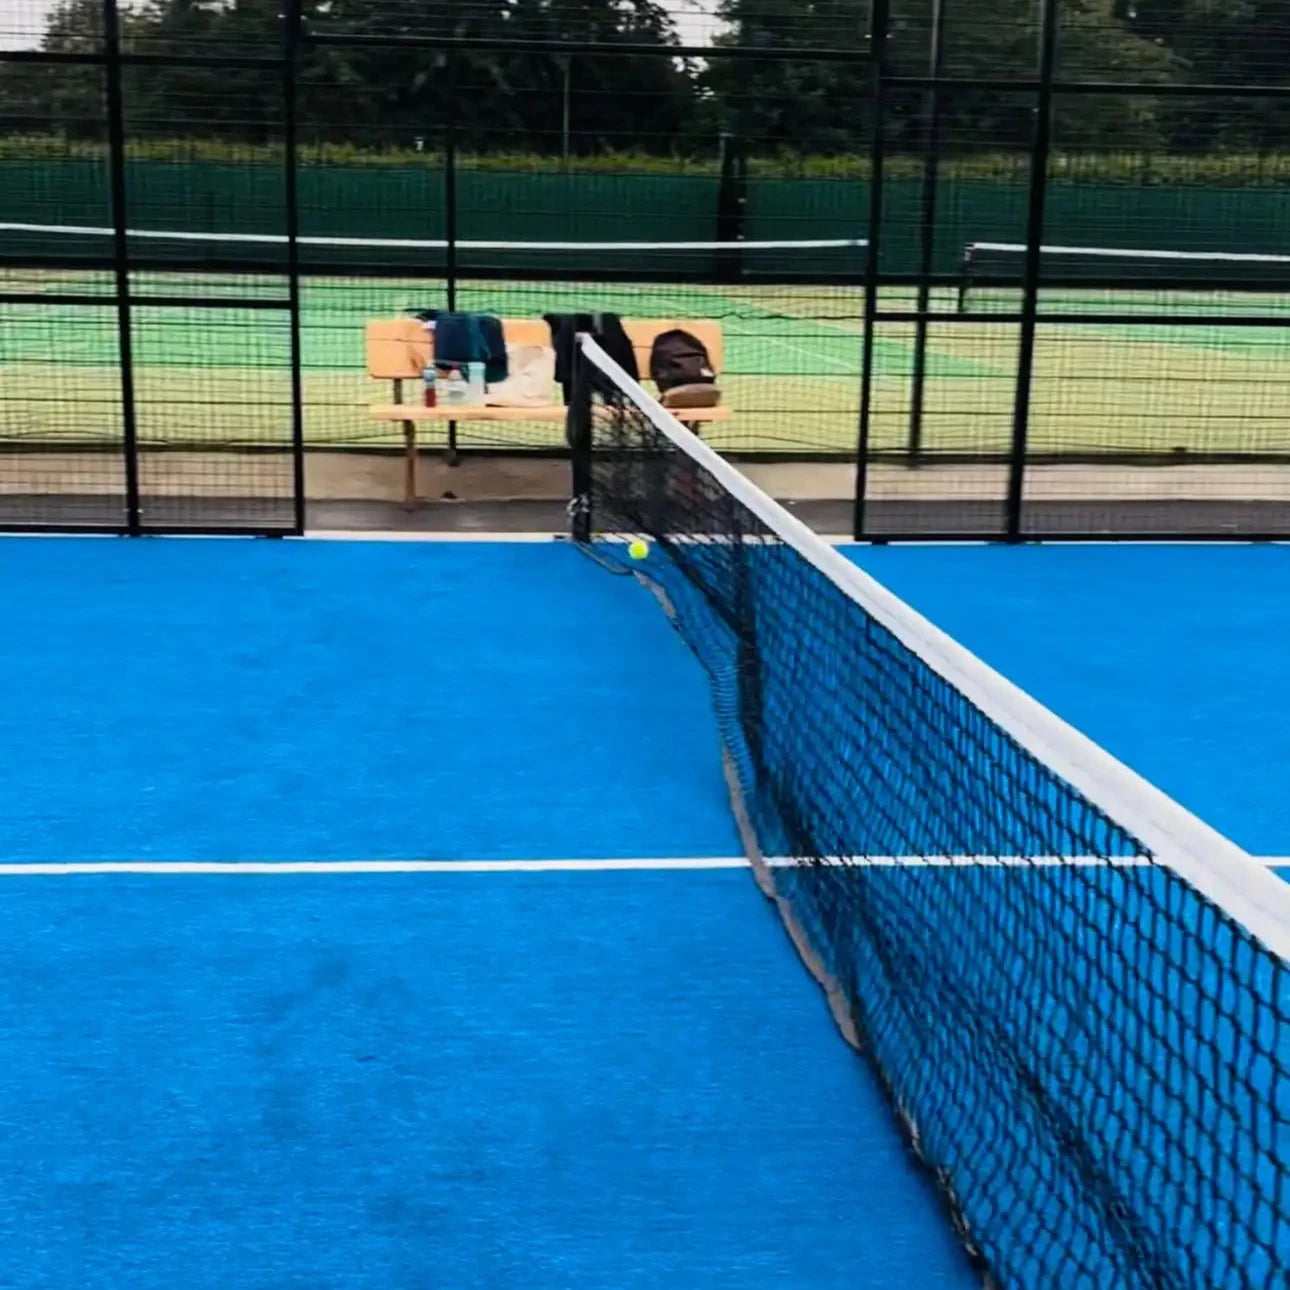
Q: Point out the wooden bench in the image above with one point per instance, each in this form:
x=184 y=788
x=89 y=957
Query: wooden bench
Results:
x=398 y=350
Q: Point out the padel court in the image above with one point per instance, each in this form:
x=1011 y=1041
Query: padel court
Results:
x=335 y=1064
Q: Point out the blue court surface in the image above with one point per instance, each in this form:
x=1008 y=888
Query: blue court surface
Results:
x=1176 y=658
x=293 y=1074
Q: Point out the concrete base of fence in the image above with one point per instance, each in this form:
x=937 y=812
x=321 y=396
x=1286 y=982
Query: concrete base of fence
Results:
x=946 y=498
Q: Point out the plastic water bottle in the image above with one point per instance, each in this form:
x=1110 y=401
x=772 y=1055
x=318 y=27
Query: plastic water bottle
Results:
x=454 y=387
x=475 y=381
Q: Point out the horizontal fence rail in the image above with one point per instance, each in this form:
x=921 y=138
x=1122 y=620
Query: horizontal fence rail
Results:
x=996 y=293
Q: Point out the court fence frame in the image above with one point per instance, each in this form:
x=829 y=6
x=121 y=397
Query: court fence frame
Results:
x=1127 y=510
x=1008 y=507
x=125 y=483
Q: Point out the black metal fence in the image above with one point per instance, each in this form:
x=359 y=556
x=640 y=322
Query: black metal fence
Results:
x=1024 y=287
x=1124 y=363
x=141 y=394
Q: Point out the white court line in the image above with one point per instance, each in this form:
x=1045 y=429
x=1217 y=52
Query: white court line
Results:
x=438 y=535
x=845 y=366
x=468 y=535
x=464 y=536
x=249 y=868
x=543 y=535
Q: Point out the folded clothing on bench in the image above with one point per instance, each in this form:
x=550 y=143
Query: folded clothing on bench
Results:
x=468 y=338
x=606 y=330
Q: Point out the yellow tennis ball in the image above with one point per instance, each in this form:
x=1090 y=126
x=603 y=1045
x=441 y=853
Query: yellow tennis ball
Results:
x=638 y=550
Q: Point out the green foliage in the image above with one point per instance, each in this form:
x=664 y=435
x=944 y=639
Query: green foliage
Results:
x=653 y=113
x=1130 y=168
x=374 y=96
x=55 y=148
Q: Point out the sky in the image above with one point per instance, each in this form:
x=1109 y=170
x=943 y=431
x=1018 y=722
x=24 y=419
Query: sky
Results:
x=23 y=21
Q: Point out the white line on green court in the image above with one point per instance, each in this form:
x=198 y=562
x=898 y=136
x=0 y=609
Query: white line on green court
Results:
x=266 y=868
x=849 y=366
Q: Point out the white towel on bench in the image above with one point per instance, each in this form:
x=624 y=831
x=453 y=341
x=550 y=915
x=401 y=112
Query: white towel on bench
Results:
x=531 y=383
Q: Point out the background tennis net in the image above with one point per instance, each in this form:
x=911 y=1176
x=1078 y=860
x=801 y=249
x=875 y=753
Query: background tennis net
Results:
x=791 y=315
x=215 y=249
x=1075 y=992
x=1111 y=278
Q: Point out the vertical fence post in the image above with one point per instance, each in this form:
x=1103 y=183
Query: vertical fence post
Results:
x=732 y=202
x=450 y=208
x=121 y=250
x=566 y=105
x=290 y=55
x=927 y=229
x=1030 y=273
x=450 y=179
x=879 y=15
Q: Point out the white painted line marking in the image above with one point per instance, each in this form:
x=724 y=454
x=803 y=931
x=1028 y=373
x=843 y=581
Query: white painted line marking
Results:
x=246 y=868
x=272 y=868
x=430 y=535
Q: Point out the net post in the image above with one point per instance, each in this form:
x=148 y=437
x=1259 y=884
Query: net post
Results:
x=927 y=230
x=578 y=430
x=290 y=53
x=878 y=23
x=965 y=279
x=1030 y=274
x=121 y=258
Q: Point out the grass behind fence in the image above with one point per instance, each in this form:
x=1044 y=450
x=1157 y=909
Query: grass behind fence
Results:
x=791 y=378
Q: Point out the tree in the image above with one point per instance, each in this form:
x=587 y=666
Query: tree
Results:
x=1221 y=42
x=499 y=100
x=371 y=95
x=67 y=100
x=818 y=106
x=790 y=104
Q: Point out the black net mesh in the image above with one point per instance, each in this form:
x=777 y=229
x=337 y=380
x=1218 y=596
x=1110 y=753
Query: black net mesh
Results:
x=1088 y=1053
x=1102 y=279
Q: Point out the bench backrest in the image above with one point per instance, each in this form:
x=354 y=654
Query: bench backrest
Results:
x=399 y=348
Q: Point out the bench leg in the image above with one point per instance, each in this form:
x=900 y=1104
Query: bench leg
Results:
x=410 y=465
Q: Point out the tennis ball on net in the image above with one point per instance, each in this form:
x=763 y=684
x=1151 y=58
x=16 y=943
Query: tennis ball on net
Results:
x=638 y=549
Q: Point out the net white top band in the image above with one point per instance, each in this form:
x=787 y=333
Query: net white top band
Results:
x=1130 y=253
x=430 y=244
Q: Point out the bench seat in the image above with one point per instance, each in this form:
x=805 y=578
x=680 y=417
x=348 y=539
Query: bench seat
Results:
x=556 y=412
x=398 y=350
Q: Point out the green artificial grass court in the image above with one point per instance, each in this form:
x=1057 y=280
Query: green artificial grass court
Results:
x=792 y=366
